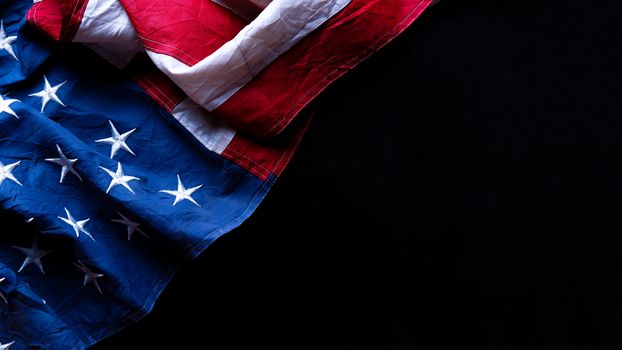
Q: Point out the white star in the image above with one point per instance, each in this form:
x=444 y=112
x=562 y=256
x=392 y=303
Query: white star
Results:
x=89 y=276
x=6 y=41
x=182 y=193
x=78 y=226
x=49 y=93
x=6 y=346
x=65 y=163
x=117 y=140
x=119 y=178
x=5 y=106
x=6 y=172
x=2 y=295
x=33 y=255
x=131 y=226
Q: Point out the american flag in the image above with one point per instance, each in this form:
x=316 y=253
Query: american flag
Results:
x=133 y=133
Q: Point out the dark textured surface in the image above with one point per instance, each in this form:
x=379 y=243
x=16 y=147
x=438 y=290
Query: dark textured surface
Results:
x=460 y=190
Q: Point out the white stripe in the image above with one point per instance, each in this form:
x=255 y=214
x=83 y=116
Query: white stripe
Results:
x=216 y=78
x=107 y=30
x=206 y=128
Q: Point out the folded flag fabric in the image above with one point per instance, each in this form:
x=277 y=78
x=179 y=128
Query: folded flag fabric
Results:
x=125 y=155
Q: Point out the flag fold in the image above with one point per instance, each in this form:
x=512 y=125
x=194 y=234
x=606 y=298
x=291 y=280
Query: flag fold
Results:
x=134 y=133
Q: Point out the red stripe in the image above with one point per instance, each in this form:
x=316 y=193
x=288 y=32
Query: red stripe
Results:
x=267 y=104
x=263 y=158
x=188 y=30
x=74 y=20
x=59 y=19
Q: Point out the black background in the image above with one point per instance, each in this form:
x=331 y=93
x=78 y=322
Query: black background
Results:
x=462 y=189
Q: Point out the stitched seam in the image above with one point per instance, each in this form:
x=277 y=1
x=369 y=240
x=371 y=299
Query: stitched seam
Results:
x=290 y=152
x=250 y=161
x=247 y=162
x=241 y=161
x=153 y=94
x=152 y=48
x=160 y=91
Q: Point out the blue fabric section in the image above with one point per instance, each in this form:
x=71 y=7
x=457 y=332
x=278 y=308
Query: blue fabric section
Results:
x=32 y=53
x=56 y=310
